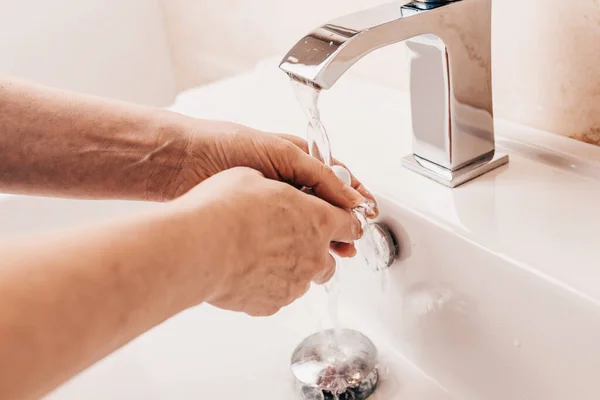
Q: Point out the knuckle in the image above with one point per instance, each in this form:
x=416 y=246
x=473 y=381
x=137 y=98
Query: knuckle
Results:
x=244 y=173
x=320 y=263
x=289 y=148
x=288 y=152
x=326 y=278
x=282 y=193
x=253 y=313
x=271 y=310
x=265 y=311
x=241 y=170
x=324 y=215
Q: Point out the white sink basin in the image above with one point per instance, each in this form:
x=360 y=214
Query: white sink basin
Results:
x=206 y=352
x=495 y=295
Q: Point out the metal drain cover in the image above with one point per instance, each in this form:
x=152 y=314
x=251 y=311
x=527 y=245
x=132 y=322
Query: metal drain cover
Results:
x=336 y=364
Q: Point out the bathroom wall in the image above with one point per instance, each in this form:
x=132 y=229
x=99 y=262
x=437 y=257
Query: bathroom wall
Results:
x=547 y=65
x=546 y=57
x=215 y=39
x=117 y=49
x=546 y=52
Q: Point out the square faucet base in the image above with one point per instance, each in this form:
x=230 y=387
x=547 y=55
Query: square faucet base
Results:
x=456 y=178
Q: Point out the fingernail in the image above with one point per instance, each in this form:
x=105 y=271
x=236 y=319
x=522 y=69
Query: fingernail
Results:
x=371 y=209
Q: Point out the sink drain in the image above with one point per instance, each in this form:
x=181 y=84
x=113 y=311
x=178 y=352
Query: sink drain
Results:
x=336 y=364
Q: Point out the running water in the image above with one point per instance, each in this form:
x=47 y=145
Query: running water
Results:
x=368 y=247
x=316 y=136
x=320 y=148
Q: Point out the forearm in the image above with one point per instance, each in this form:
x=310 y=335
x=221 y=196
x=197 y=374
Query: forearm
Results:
x=64 y=144
x=69 y=301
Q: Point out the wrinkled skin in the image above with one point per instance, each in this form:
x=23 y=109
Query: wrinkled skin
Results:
x=277 y=239
x=277 y=156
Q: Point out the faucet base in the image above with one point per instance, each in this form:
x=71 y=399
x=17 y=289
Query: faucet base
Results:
x=456 y=178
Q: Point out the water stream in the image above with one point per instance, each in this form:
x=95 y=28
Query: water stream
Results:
x=320 y=148
x=368 y=246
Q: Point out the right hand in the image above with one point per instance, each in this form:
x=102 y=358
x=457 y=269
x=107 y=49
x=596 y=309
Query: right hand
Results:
x=275 y=240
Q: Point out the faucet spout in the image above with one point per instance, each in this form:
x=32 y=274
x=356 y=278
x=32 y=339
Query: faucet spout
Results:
x=450 y=82
x=323 y=56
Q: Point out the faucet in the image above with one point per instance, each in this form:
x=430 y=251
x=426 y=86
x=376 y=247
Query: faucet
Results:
x=450 y=77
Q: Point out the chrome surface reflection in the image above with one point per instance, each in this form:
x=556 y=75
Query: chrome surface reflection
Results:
x=450 y=67
x=336 y=364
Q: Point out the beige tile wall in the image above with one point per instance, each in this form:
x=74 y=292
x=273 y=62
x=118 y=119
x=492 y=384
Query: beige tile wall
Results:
x=547 y=65
x=546 y=52
x=216 y=38
x=115 y=49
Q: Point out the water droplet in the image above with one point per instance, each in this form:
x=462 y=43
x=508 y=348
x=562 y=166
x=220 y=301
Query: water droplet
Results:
x=330 y=43
x=385 y=370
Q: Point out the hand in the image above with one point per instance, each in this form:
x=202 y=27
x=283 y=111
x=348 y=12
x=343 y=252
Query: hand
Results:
x=274 y=240
x=222 y=145
x=355 y=183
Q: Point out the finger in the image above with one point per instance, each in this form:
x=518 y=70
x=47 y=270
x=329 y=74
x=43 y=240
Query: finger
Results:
x=345 y=250
x=310 y=172
x=342 y=225
x=355 y=183
x=297 y=140
x=327 y=273
x=372 y=212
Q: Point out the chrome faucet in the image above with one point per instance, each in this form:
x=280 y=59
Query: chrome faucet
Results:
x=450 y=77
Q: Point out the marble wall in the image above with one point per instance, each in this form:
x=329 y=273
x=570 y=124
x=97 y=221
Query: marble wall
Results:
x=546 y=52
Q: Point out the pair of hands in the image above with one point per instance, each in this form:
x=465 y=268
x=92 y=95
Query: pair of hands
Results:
x=279 y=237
x=236 y=230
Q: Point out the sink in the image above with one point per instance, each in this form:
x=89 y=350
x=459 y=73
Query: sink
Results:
x=205 y=352
x=495 y=294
